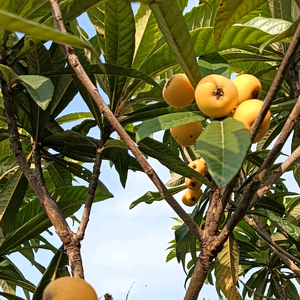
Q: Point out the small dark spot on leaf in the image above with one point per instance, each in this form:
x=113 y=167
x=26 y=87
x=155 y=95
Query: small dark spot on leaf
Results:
x=221 y=4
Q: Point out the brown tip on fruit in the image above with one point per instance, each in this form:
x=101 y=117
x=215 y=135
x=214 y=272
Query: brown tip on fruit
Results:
x=255 y=95
x=193 y=184
x=169 y=81
x=193 y=199
x=219 y=93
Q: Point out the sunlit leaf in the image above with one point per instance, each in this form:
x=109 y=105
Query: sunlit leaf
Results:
x=174 y=28
x=228 y=13
x=224 y=145
x=227 y=267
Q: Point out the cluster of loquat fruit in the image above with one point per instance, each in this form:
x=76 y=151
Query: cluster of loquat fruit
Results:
x=217 y=97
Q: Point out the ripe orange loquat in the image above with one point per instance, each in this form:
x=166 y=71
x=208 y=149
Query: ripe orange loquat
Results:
x=178 y=91
x=247 y=112
x=216 y=96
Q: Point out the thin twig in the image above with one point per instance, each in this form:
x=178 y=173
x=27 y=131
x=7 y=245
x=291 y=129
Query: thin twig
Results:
x=280 y=252
x=256 y=293
x=104 y=109
x=274 y=177
x=277 y=82
x=129 y=290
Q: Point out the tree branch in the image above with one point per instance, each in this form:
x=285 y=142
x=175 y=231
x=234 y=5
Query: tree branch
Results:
x=104 y=109
x=256 y=293
x=58 y=221
x=277 y=82
x=276 y=174
x=286 y=257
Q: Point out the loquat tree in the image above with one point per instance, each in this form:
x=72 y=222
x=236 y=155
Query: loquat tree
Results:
x=246 y=221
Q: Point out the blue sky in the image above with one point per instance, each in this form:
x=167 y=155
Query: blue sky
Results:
x=124 y=247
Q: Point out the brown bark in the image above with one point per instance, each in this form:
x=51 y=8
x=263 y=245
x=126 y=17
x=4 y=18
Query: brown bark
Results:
x=104 y=109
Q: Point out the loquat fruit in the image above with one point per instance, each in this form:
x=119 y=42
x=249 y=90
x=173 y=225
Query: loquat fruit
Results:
x=192 y=184
x=247 y=112
x=248 y=86
x=69 y=288
x=178 y=91
x=199 y=165
x=185 y=202
x=186 y=135
x=193 y=195
x=216 y=96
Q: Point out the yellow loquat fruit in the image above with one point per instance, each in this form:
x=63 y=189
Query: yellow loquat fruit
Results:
x=69 y=288
x=178 y=91
x=185 y=202
x=216 y=96
x=247 y=112
x=193 y=196
x=186 y=135
x=248 y=86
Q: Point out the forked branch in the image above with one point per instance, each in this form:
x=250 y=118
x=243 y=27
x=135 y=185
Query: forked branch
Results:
x=104 y=109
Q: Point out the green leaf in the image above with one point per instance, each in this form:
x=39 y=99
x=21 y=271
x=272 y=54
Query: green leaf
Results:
x=10 y=76
x=154 y=110
x=287 y=33
x=213 y=63
x=36 y=223
x=146 y=36
x=119 y=158
x=74 y=117
x=80 y=172
x=10 y=296
x=202 y=15
x=292 y=230
x=12 y=22
x=11 y=274
x=64 y=91
x=110 y=69
x=61 y=177
x=262 y=11
x=119 y=43
x=94 y=109
x=169 y=158
x=228 y=13
x=11 y=198
x=40 y=89
x=68 y=136
x=38 y=60
x=56 y=269
x=224 y=145
x=238 y=36
x=175 y=31
x=227 y=268
x=166 y=122
x=150 y=197
x=281 y=9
